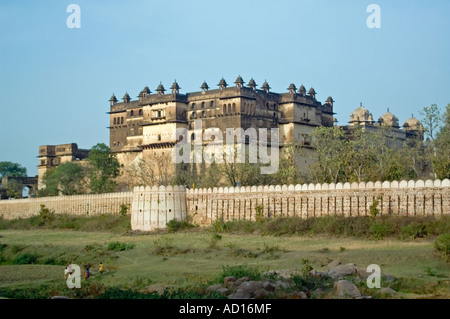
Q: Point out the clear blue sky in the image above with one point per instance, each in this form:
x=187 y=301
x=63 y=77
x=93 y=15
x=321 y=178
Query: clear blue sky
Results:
x=55 y=82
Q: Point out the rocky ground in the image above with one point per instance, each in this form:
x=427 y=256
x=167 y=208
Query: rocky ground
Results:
x=337 y=282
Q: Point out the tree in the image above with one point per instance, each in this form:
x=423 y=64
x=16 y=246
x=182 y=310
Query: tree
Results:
x=441 y=160
x=12 y=169
x=431 y=120
x=13 y=189
x=104 y=168
x=67 y=179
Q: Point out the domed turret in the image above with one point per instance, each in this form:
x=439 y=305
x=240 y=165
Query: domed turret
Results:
x=412 y=124
x=239 y=82
x=312 y=93
x=388 y=119
x=126 y=98
x=144 y=92
x=265 y=86
x=330 y=100
x=175 y=88
x=252 y=84
x=160 y=89
x=222 y=84
x=204 y=86
x=292 y=88
x=302 y=90
x=361 y=116
x=113 y=99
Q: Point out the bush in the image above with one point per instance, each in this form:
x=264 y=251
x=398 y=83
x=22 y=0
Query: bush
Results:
x=47 y=216
x=413 y=231
x=123 y=210
x=120 y=246
x=442 y=245
x=25 y=259
x=238 y=272
x=379 y=229
x=175 y=225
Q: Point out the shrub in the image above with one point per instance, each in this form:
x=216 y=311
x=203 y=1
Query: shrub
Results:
x=379 y=229
x=413 y=231
x=238 y=272
x=175 y=225
x=442 y=245
x=373 y=209
x=259 y=213
x=47 y=216
x=215 y=238
x=123 y=210
x=120 y=246
x=25 y=259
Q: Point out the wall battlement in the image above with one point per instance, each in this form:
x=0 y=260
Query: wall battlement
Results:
x=153 y=207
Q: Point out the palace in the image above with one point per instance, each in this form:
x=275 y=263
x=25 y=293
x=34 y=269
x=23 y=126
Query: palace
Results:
x=144 y=128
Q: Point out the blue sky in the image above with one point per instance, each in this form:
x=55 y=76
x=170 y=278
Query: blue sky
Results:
x=55 y=82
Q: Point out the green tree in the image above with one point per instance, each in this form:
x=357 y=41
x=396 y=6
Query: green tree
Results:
x=104 y=168
x=441 y=160
x=431 y=120
x=67 y=179
x=12 y=169
x=13 y=189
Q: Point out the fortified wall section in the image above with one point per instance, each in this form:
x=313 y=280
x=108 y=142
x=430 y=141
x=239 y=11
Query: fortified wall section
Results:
x=153 y=207
x=87 y=205
x=413 y=198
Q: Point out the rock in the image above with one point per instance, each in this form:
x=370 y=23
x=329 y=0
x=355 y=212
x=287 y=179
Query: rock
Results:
x=319 y=292
x=345 y=288
x=213 y=288
x=362 y=273
x=333 y=264
x=239 y=281
x=60 y=297
x=317 y=274
x=251 y=286
x=387 y=291
x=297 y=295
x=158 y=288
x=282 y=285
x=240 y=294
x=228 y=280
x=267 y=285
x=260 y=293
x=224 y=291
x=342 y=271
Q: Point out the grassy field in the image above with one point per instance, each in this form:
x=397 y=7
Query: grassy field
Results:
x=195 y=257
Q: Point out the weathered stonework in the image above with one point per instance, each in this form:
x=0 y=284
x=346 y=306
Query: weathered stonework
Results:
x=153 y=207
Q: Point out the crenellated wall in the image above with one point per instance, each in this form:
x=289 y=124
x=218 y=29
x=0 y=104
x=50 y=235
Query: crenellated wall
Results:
x=74 y=205
x=153 y=207
x=400 y=198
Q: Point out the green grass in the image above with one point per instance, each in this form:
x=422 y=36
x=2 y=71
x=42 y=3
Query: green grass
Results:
x=189 y=260
x=33 y=254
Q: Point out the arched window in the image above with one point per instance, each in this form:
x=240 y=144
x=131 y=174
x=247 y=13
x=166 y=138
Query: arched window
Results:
x=121 y=120
x=234 y=108
x=192 y=136
x=203 y=105
x=132 y=113
x=114 y=120
x=203 y=113
x=224 y=109
x=212 y=104
x=140 y=112
x=229 y=108
x=193 y=106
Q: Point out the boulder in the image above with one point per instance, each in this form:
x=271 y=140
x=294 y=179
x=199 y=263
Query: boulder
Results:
x=240 y=294
x=345 y=289
x=224 y=291
x=282 y=285
x=298 y=295
x=213 y=288
x=342 y=271
x=333 y=264
x=317 y=274
x=389 y=278
x=268 y=286
x=260 y=293
x=239 y=281
x=362 y=273
x=228 y=280
x=251 y=286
